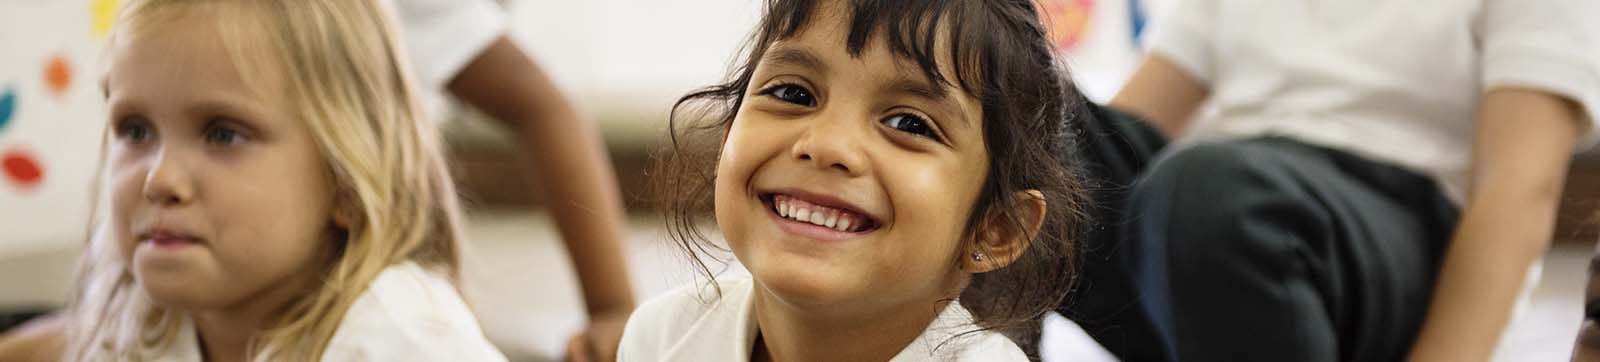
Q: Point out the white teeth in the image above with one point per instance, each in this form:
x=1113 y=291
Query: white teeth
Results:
x=823 y=216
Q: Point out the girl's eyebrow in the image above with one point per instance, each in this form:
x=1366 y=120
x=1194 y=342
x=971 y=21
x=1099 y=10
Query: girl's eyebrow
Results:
x=783 y=56
x=221 y=106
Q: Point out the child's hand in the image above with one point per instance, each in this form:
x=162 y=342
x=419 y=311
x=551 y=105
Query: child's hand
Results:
x=598 y=341
x=41 y=339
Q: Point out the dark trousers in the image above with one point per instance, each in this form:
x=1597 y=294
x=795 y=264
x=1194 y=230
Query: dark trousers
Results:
x=1114 y=149
x=1269 y=249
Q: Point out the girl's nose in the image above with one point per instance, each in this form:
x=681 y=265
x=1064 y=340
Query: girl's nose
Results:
x=168 y=182
x=833 y=142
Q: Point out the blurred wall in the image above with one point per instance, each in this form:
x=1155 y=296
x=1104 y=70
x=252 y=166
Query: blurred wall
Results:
x=51 y=117
x=622 y=61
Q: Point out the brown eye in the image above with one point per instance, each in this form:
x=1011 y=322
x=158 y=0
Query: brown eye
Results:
x=792 y=94
x=910 y=124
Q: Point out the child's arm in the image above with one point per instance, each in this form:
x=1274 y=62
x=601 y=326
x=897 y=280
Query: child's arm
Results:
x=41 y=339
x=1163 y=93
x=571 y=160
x=1524 y=139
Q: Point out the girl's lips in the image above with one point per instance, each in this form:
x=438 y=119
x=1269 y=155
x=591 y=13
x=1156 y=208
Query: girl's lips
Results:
x=811 y=230
x=818 y=199
x=167 y=239
x=169 y=242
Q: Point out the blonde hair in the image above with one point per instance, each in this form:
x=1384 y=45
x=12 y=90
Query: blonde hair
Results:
x=348 y=83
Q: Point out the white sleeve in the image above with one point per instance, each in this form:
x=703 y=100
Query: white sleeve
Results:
x=1186 y=35
x=442 y=36
x=1549 y=45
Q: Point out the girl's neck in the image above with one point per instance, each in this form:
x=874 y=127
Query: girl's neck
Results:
x=224 y=337
x=788 y=334
x=225 y=334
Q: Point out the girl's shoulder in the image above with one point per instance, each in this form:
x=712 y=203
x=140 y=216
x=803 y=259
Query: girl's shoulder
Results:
x=410 y=313
x=953 y=336
x=700 y=321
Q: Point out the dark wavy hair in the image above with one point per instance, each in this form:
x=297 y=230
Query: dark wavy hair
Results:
x=1001 y=56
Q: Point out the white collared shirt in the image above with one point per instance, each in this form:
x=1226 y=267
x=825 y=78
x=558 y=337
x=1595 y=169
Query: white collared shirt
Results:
x=1394 y=81
x=692 y=324
x=407 y=314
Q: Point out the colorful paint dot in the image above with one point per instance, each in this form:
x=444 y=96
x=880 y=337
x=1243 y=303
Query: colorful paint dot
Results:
x=103 y=13
x=1067 y=20
x=8 y=106
x=22 y=169
x=57 y=75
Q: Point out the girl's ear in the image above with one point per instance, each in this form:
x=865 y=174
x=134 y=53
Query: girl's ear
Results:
x=344 y=210
x=998 y=242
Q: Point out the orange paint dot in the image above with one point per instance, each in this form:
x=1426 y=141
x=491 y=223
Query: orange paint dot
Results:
x=1067 y=21
x=57 y=75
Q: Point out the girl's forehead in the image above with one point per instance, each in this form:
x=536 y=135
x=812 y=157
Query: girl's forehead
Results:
x=179 y=67
x=233 y=48
x=920 y=41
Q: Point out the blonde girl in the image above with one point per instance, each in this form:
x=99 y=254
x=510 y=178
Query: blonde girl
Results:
x=273 y=194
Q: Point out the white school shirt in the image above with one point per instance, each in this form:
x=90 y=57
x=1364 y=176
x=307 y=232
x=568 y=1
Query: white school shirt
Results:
x=692 y=324
x=440 y=38
x=407 y=314
x=1394 y=81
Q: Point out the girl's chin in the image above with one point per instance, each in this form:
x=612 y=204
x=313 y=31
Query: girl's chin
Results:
x=177 y=289
x=177 y=297
x=811 y=290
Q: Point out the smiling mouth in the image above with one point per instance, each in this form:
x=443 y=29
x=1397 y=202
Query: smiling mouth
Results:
x=794 y=209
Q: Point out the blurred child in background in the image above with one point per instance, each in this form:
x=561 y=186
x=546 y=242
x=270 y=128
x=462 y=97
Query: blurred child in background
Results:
x=463 y=47
x=1320 y=221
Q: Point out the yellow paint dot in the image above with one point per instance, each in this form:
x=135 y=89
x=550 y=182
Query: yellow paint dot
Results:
x=103 y=12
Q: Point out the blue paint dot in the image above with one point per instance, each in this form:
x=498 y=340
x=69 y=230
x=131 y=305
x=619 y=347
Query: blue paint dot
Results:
x=8 y=105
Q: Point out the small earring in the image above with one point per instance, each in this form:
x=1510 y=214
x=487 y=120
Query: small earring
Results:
x=977 y=256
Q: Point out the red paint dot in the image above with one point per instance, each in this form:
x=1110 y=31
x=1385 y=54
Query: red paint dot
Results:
x=22 y=169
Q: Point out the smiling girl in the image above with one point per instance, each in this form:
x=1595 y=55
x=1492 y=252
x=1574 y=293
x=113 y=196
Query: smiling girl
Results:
x=892 y=174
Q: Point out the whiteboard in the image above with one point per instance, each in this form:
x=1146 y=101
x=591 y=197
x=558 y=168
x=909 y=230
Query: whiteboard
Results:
x=51 y=119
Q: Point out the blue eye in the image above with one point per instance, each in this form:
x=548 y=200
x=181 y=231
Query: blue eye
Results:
x=910 y=124
x=223 y=136
x=133 y=132
x=792 y=94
